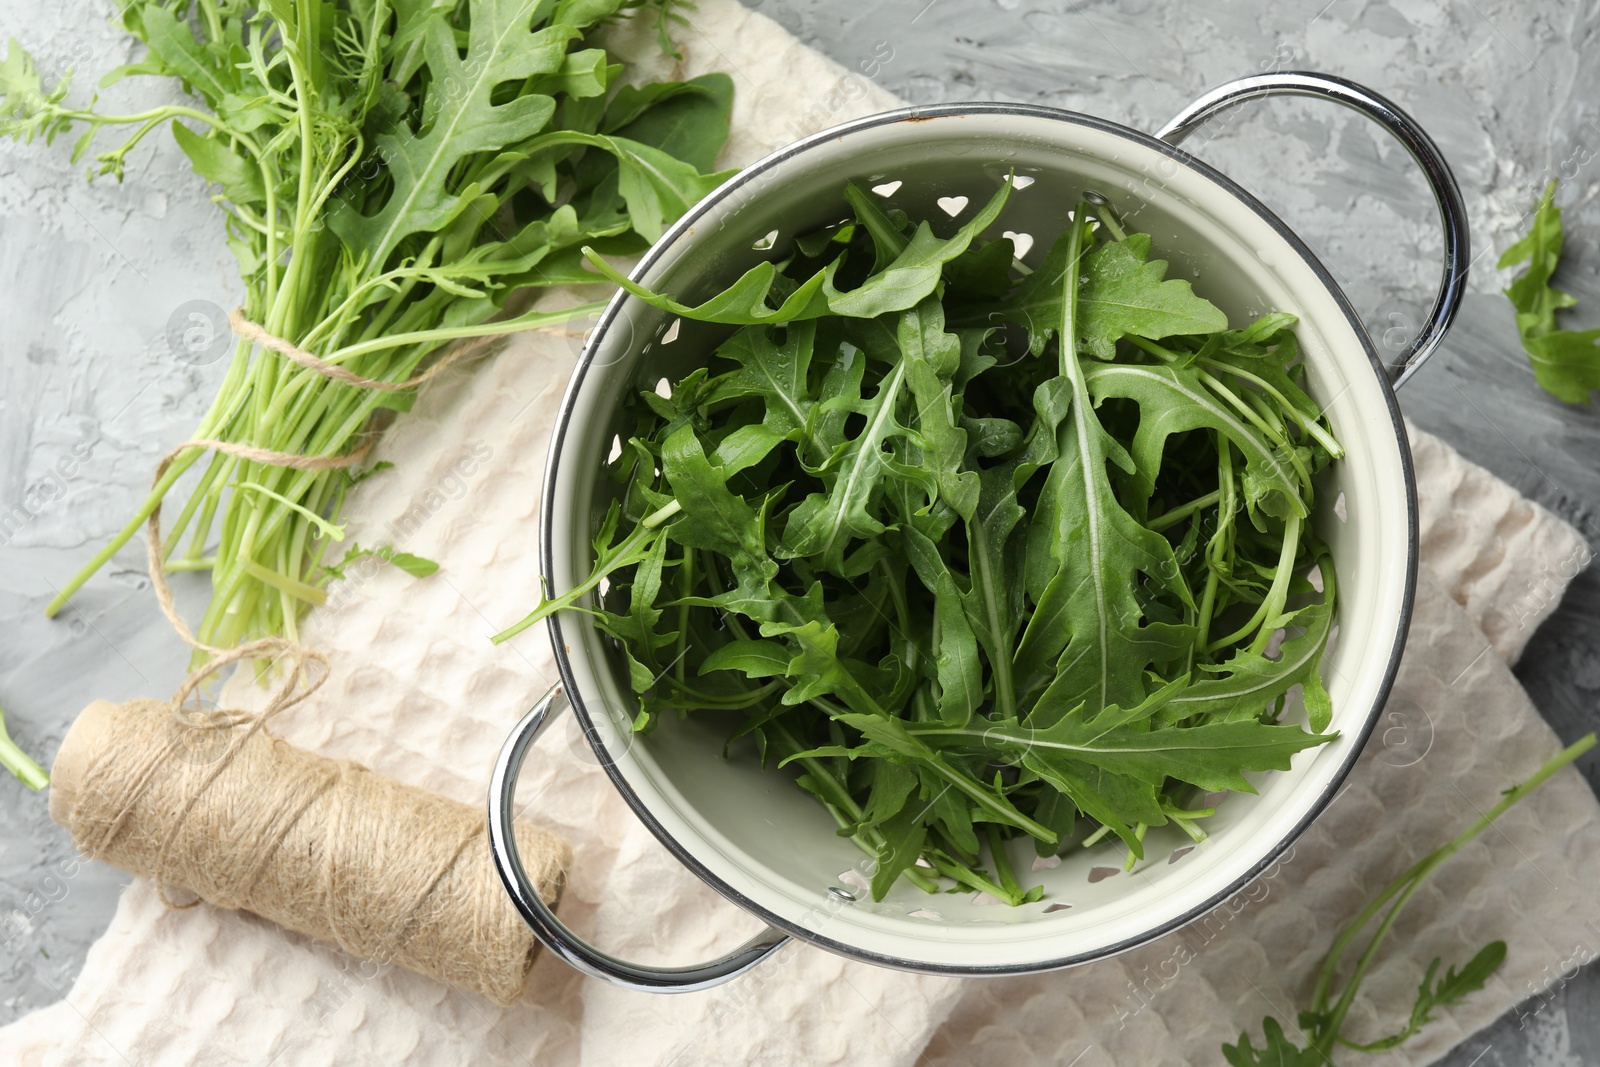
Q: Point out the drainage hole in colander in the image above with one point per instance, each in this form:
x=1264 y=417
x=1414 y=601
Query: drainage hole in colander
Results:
x=1020 y=242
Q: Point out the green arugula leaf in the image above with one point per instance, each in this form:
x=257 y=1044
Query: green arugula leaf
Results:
x=955 y=644
x=932 y=358
x=825 y=522
x=994 y=602
x=904 y=834
x=1173 y=400
x=1323 y=1023
x=216 y=162
x=686 y=120
x=893 y=736
x=1245 y=685
x=754 y=659
x=656 y=187
x=887 y=239
x=610 y=555
x=1566 y=362
x=1126 y=296
x=713 y=517
x=902 y=284
x=501 y=46
x=416 y=566
x=1210 y=757
x=1278 y=1051
x=1088 y=622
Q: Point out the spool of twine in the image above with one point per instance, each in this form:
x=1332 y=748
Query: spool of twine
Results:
x=212 y=804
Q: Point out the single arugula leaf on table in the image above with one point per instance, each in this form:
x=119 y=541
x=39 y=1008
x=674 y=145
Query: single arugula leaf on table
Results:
x=1566 y=362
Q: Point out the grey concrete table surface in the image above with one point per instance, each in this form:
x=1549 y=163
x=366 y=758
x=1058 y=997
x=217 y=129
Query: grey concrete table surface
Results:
x=91 y=275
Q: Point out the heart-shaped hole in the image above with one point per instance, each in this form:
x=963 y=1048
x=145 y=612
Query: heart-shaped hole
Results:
x=1020 y=242
x=766 y=242
x=952 y=205
x=887 y=188
x=672 y=332
x=1020 y=181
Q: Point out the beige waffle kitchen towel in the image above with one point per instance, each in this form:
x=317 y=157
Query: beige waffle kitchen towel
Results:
x=421 y=696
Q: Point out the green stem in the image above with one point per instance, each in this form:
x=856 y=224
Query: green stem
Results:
x=622 y=555
x=1002 y=866
x=530 y=321
x=190 y=563
x=202 y=495
x=324 y=527
x=1277 y=595
x=685 y=589
x=19 y=762
x=110 y=549
x=966 y=876
x=1183 y=511
x=1310 y=425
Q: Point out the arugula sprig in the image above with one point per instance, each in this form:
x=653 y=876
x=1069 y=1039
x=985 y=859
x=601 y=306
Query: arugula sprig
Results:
x=977 y=555
x=395 y=176
x=1322 y=1025
x=1565 y=362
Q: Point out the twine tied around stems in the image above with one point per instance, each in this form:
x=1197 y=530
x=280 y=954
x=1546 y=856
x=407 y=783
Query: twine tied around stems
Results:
x=261 y=338
x=258 y=336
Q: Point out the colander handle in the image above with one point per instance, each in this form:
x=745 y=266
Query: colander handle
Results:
x=551 y=931
x=1452 y=214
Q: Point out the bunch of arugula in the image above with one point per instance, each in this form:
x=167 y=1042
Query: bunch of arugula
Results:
x=1321 y=1026
x=981 y=555
x=392 y=172
x=1565 y=362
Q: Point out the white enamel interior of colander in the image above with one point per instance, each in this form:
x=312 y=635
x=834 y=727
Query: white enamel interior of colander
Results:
x=751 y=832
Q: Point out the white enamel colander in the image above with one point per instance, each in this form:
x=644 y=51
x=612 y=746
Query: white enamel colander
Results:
x=771 y=848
